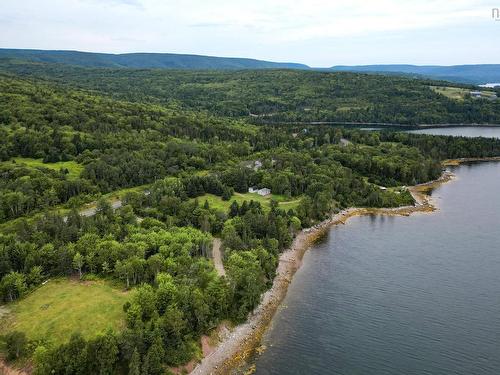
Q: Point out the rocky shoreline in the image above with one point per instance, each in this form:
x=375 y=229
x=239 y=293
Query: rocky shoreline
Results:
x=243 y=341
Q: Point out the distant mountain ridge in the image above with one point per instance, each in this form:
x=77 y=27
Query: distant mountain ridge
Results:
x=144 y=60
x=479 y=73
x=473 y=74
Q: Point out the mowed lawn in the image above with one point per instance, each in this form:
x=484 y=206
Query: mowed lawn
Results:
x=216 y=202
x=63 y=306
x=458 y=93
x=73 y=167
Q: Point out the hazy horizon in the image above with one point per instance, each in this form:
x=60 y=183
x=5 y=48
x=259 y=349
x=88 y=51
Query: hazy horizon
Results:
x=237 y=57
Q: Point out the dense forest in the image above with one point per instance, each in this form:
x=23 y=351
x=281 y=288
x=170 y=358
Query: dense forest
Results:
x=471 y=74
x=69 y=135
x=144 y=60
x=273 y=96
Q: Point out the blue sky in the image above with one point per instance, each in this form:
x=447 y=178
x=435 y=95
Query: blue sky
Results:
x=315 y=32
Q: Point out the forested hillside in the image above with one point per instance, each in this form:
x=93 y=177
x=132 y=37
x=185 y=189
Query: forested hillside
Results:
x=474 y=74
x=273 y=96
x=78 y=134
x=471 y=74
x=143 y=60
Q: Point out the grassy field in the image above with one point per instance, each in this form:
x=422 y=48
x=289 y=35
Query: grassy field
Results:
x=457 y=93
x=218 y=203
x=451 y=92
x=63 y=306
x=73 y=167
x=119 y=194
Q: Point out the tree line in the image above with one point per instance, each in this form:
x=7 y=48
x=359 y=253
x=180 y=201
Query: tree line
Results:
x=158 y=244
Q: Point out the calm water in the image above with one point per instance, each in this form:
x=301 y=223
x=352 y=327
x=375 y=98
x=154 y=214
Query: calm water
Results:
x=491 y=85
x=400 y=295
x=466 y=131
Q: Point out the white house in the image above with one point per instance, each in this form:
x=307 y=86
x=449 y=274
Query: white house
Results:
x=476 y=94
x=257 y=165
x=263 y=192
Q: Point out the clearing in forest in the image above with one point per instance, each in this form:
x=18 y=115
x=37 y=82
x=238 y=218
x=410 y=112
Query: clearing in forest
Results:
x=74 y=169
x=63 y=306
x=458 y=93
x=217 y=202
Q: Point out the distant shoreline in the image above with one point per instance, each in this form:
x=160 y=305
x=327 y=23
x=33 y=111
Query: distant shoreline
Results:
x=454 y=162
x=377 y=124
x=243 y=341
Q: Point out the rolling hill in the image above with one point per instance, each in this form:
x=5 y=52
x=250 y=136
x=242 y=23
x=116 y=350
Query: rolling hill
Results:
x=471 y=74
x=277 y=95
x=143 y=60
x=474 y=74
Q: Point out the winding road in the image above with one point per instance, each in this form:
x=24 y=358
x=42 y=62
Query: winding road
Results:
x=217 y=257
x=216 y=246
x=92 y=210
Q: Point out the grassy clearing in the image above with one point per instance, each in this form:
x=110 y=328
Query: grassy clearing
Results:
x=63 y=306
x=119 y=194
x=455 y=93
x=73 y=167
x=217 y=202
x=347 y=108
x=487 y=94
x=458 y=93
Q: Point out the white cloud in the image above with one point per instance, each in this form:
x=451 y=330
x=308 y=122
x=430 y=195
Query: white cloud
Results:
x=272 y=29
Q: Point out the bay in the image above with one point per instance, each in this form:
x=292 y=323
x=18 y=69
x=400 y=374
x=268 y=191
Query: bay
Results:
x=464 y=131
x=399 y=295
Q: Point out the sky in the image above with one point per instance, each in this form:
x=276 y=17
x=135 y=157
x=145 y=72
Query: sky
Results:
x=314 y=32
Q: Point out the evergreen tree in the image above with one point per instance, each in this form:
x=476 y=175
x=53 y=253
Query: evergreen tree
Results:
x=134 y=365
x=102 y=353
x=153 y=360
x=234 y=209
x=16 y=343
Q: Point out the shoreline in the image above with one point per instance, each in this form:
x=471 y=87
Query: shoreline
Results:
x=456 y=162
x=245 y=339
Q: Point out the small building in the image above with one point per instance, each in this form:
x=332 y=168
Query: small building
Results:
x=252 y=164
x=344 y=142
x=476 y=94
x=263 y=192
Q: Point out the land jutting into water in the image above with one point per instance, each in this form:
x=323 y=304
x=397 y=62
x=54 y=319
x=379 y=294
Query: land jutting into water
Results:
x=245 y=339
x=130 y=177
